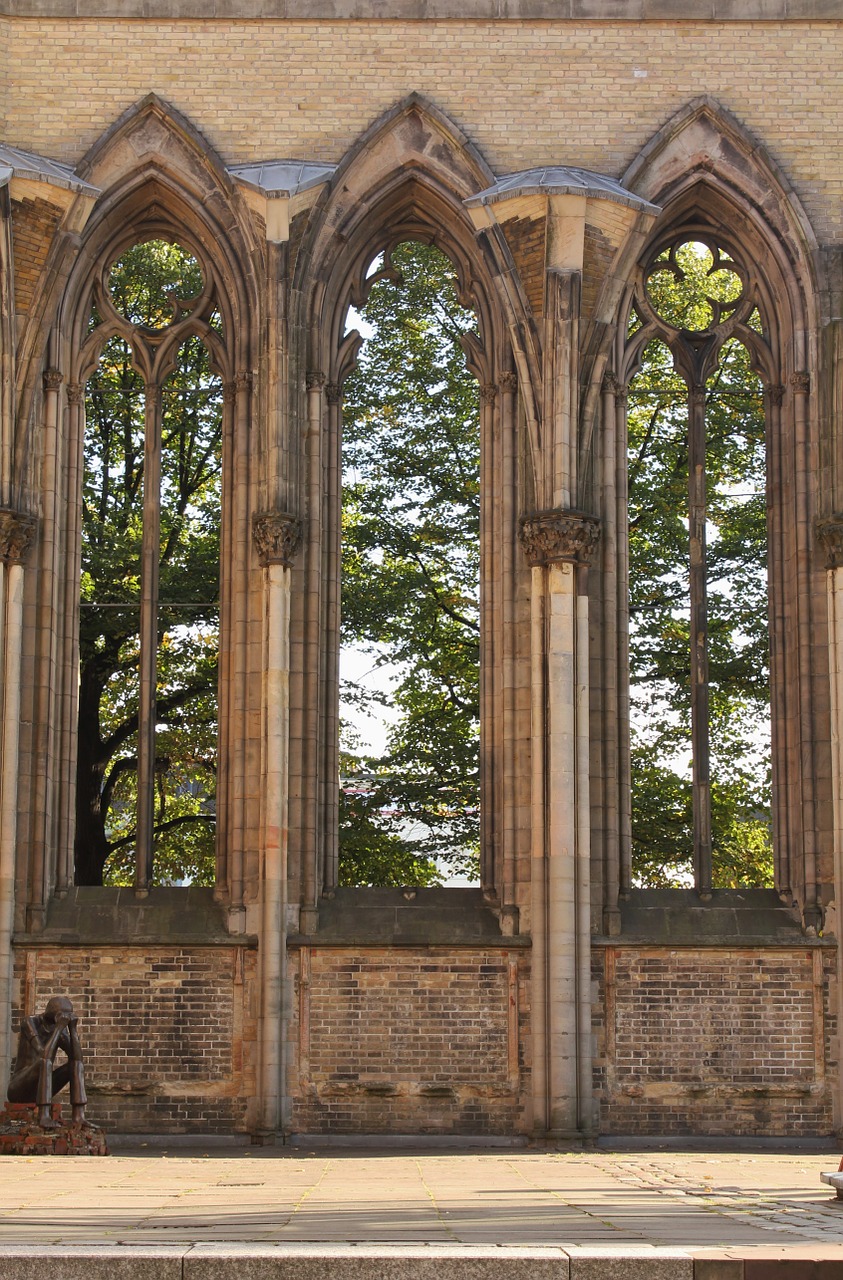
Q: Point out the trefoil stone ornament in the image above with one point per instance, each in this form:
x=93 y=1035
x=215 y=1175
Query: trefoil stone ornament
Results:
x=277 y=536
x=554 y=535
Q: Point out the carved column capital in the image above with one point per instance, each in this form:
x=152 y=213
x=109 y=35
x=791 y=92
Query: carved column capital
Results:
x=610 y=385
x=229 y=392
x=17 y=531
x=801 y=382
x=242 y=382
x=277 y=536
x=508 y=383
x=548 y=536
x=830 y=537
x=333 y=392
x=52 y=379
x=775 y=392
x=75 y=392
x=315 y=380
x=488 y=392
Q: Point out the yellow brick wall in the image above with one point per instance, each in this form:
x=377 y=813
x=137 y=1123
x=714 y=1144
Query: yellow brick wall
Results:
x=525 y=93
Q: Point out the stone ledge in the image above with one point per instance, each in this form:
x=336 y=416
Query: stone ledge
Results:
x=235 y=1261
x=411 y=917
x=102 y=917
x=733 y=918
x=715 y=11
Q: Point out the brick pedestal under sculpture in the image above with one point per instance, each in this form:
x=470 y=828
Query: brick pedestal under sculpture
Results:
x=21 y=1135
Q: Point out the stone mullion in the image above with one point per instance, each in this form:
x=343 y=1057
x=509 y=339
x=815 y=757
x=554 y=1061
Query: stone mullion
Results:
x=331 y=670
x=243 y=785
x=69 y=713
x=147 y=694
x=610 y=674
x=43 y=834
x=780 y=685
x=804 y=480
x=313 y=656
x=16 y=533
x=277 y=536
x=491 y=798
x=699 y=639
x=229 y=848
x=507 y=484
x=225 y=845
x=621 y=609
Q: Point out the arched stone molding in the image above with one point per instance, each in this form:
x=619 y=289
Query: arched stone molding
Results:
x=158 y=179
x=714 y=182
x=405 y=179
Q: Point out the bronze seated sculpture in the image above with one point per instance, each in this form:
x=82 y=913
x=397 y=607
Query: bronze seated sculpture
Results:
x=36 y=1078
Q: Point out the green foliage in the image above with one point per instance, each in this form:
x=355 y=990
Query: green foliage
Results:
x=686 y=288
x=410 y=564
x=112 y=532
x=662 y=817
x=146 y=280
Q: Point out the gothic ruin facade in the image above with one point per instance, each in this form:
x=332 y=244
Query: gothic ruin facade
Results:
x=552 y=151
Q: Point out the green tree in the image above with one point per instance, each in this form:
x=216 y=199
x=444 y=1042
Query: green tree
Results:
x=410 y=584
x=662 y=816
x=142 y=283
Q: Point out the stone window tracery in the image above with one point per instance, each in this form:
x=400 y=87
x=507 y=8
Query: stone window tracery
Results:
x=150 y=538
x=695 y=347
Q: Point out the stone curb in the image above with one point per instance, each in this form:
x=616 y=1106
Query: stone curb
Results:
x=233 y=1261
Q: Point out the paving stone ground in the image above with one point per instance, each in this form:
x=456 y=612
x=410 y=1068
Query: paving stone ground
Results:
x=692 y=1200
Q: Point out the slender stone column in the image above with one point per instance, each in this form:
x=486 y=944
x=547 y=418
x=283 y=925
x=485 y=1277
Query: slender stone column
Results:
x=508 y=384
x=699 y=639
x=622 y=613
x=69 y=710
x=781 y=692
x=229 y=840
x=311 y=836
x=277 y=537
x=330 y=696
x=558 y=545
x=830 y=534
x=239 y=595
x=150 y=569
x=611 y=801
x=42 y=845
x=17 y=531
x=812 y=913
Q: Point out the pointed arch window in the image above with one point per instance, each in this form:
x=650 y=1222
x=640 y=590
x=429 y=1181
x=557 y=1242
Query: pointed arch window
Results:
x=149 y=606
x=698 y=530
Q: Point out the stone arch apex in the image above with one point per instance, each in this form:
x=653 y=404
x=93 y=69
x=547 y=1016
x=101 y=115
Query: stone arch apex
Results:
x=176 y=124
x=408 y=176
x=416 y=104
x=705 y=138
x=158 y=175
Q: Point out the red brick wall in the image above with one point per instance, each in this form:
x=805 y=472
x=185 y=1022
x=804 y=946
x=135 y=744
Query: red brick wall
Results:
x=169 y=1034
x=410 y=1040
x=713 y=1041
